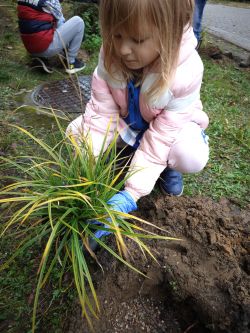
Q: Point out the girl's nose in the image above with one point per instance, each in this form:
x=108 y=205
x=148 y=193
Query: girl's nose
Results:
x=125 y=48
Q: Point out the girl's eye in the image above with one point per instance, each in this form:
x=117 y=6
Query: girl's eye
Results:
x=138 y=41
x=117 y=36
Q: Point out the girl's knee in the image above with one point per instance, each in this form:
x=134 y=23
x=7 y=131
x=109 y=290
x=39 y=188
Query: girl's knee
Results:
x=190 y=153
x=185 y=161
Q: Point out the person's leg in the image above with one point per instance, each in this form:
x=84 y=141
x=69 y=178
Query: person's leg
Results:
x=188 y=154
x=197 y=19
x=67 y=37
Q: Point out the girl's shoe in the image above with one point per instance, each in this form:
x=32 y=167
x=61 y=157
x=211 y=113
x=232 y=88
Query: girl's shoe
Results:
x=171 y=182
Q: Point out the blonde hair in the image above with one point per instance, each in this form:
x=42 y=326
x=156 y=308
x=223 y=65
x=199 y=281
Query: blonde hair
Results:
x=169 y=17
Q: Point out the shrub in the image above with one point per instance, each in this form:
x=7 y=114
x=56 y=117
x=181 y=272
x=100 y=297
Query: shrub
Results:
x=54 y=198
x=92 y=39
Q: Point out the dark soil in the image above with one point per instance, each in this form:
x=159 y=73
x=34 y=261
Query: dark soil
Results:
x=200 y=284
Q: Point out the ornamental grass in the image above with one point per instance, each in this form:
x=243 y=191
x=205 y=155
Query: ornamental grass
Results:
x=53 y=198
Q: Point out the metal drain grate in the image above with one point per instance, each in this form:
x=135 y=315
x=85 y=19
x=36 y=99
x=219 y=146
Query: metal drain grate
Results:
x=69 y=95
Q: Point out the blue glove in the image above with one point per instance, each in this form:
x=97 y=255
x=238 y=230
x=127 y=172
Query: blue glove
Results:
x=121 y=202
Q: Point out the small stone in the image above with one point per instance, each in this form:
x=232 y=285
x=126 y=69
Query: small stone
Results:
x=245 y=64
x=229 y=54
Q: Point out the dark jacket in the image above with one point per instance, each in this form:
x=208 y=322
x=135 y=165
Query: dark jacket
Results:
x=36 y=27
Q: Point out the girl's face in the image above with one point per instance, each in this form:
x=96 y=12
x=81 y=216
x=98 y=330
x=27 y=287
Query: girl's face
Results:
x=136 y=50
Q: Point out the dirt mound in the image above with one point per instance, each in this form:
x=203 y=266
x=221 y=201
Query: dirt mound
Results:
x=200 y=284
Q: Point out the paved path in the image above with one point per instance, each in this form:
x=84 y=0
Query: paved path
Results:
x=229 y=23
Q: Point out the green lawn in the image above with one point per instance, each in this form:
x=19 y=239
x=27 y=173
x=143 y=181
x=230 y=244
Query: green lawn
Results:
x=225 y=96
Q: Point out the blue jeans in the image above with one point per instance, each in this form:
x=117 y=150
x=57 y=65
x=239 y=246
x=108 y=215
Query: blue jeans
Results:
x=197 y=19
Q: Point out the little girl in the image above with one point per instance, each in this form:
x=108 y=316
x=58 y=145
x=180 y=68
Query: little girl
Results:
x=147 y=84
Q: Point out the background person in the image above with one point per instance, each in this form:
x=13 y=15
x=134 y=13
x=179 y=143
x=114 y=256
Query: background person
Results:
x=197 y=20
x=147 y=86
x=45 y=33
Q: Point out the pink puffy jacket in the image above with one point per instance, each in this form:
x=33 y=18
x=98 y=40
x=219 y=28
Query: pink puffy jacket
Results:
x=167 y=115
